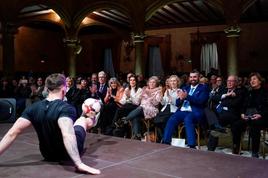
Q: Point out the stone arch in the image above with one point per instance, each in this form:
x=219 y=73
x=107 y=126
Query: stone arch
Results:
x=29 y=21
x=98 y=24
x=78 y=18
x=55 y=6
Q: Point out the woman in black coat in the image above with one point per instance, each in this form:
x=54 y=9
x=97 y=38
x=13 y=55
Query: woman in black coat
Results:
x=254 y=115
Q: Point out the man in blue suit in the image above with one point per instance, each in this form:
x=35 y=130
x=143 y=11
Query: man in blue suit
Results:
x=191 y=102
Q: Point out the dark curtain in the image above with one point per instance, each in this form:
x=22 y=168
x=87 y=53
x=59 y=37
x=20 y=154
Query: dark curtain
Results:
x=198 y=39
x=164 y=44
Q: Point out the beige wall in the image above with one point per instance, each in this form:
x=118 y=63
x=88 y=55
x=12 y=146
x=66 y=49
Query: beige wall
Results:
x=34 y=45
x=31 y=44
x=181 y=42
x=253 y=44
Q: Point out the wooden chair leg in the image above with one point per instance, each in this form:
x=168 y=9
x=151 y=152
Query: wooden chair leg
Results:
x=197 y=131
x=180 y=129
x=263 y=142
x=147 y=123
x=155 y=134
x=131 y=130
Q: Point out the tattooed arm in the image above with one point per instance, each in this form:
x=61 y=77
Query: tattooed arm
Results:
x=69 y=139
x=20 y=125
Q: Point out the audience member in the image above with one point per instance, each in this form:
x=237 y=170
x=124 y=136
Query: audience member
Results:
x=191 y=101
x=230 y=101
x=102 y=89
x=150 y=99
x=254 y=115
x=111 y=103
x=169 y=105
x=129 y=101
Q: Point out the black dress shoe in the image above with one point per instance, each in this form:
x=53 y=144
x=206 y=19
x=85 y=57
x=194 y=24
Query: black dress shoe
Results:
x=255 y=155
x=119 y=123
x=236 y=149
x=192 y=146
x=220 y=129
x=124 y=120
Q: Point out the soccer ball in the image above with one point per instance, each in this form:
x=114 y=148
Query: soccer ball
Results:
x=90 y=106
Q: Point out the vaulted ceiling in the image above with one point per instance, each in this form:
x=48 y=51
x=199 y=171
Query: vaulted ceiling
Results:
x=183 y=13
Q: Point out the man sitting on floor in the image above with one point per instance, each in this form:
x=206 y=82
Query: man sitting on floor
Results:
x=52 y=118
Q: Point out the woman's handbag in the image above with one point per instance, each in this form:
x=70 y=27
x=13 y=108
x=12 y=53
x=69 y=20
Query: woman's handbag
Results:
x=163 y=116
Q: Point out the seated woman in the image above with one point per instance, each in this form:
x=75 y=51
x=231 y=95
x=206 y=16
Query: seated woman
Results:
x=169 y=105
x=82 y=94
x=150 y=99
x=254 y=115
x=111 y=103
x=130 y=101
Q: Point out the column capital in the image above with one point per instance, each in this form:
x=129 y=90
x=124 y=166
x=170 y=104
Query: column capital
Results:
x=232 y=31
x=138 y=37
x=71 y=41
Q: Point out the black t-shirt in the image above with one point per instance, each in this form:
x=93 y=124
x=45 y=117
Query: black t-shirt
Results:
x=44 y=117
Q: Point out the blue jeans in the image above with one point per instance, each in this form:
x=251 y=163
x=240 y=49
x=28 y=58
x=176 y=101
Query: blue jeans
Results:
x=135 y=117
x=190 y=119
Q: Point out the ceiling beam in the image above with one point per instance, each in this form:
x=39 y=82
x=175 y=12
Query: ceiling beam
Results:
x=181 y=25
x=190 y=10
x=169 y=14
x=108 y=17
x=204 y=15
x=112 y=15
x=178 y=8
x=212 y=10
x=106 y=21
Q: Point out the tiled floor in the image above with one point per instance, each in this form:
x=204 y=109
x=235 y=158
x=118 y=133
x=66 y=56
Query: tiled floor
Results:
x=118 y=158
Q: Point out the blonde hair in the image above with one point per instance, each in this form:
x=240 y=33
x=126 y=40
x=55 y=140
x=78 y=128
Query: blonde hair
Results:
x=177 y=78
x=113 y=79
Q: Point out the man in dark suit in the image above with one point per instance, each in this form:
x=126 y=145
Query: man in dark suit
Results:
x=102 y=88
x=191 y=102
x=230 y=99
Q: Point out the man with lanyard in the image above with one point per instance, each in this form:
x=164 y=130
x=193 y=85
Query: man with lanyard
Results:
x=230 y=101
x=191 y=102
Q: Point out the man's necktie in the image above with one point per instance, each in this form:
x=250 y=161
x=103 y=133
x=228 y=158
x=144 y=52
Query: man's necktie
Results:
x=101 y=88
x=191 y=91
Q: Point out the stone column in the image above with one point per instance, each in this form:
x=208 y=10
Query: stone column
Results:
x=8 y=38
x=138 y=40
x=73 y=48
x=232 y=33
